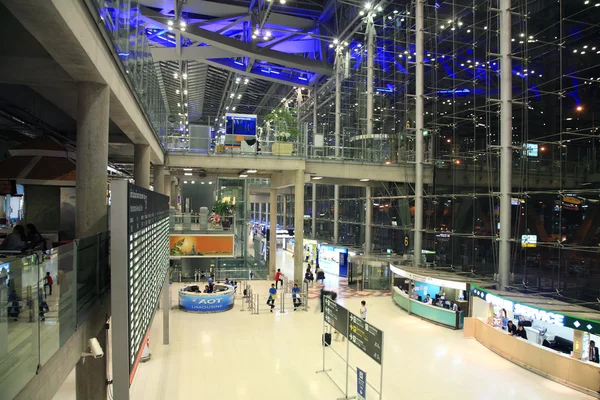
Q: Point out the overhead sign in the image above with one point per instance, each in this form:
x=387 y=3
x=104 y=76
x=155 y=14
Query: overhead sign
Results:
x=336 y=316
x=366 y=337
x=361 y=384
x=528 y=240
x=428 y=279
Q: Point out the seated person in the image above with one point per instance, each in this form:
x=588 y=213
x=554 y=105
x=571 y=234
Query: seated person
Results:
x=206 y=289
x=521 y=332
x=17 y=240
x=428 y=300
x=511 y=328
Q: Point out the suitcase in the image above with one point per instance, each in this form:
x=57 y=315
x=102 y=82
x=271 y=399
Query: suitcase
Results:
x=327 y=339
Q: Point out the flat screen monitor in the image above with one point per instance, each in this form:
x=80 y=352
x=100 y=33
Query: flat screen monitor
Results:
x=240 y=124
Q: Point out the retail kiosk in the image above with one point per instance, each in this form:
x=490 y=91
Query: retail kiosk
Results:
x=558 y=335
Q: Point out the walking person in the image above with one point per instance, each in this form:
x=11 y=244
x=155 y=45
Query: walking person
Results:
x=272 y=296
x=48 y=282
x=295 y=298
x=363 y=310
x=278 y=278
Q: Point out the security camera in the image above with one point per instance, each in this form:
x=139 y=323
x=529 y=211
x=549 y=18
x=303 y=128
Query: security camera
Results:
x=95 y=349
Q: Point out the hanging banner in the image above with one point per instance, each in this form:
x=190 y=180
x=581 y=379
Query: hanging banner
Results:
x=201 y=246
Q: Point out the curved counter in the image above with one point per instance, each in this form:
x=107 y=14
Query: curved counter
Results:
x=438 y=315
x=221 y=300
x=579 y=375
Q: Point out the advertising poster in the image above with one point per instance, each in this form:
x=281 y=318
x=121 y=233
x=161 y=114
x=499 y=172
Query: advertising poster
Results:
x=201 y=246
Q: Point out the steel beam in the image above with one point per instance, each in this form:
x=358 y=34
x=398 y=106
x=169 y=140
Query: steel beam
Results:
x=242 y=48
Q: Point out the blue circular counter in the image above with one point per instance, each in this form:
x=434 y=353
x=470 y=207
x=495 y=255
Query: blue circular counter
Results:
x=222 y=299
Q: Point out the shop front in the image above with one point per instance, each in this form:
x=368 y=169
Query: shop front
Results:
x=311 y=248
x=333 y=260
x=439 y=297
x=552 y=338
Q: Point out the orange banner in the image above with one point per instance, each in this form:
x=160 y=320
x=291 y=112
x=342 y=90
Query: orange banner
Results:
x=197 y=246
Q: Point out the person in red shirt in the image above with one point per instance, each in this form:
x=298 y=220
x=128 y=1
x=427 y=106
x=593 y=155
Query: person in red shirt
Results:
x=48 y=282
x=278 y=278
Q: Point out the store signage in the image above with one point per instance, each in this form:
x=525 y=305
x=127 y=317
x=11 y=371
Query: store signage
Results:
x=366 y=337
x=209 y=303
x=428 y=279
x=361 y=384
x=336 y=316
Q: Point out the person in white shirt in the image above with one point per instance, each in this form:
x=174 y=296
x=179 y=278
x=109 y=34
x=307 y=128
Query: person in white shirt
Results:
x=363 y=310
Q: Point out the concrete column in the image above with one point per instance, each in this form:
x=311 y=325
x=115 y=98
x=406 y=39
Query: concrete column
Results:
x=315 y=113
x=159 y=179
x=505 y=142
x=93 y=102
x=336 y=213
x=141 y=165
x=90 y=377
x=338 y=99
x=313 y=227
x=299 y=227
x=273 y=234
x=260 y=210
x=174 y=193
x=284 y=221
x=167 y=185
x=419 y=125
x=368 y=219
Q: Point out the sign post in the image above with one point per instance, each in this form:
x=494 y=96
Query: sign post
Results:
x=361 y=384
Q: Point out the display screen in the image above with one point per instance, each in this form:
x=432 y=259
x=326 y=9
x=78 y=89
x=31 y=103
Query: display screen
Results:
x=528 y=240
x=240 y=124
x=530 y=149
x=199 y=246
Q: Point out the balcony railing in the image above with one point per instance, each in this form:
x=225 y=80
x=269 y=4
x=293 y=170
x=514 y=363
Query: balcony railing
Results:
x=37 y=319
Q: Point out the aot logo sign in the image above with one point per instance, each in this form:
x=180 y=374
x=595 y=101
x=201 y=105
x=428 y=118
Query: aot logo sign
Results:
x=540 y=315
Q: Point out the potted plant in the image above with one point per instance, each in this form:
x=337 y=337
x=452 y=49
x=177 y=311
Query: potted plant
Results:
x=284 y=121
x=222 y=212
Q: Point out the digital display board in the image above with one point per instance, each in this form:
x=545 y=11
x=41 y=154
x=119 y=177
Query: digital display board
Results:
x=148 y=244
x=528 y=240
x=366 y=337
x=240 y=124
x=139 y=264
x=336 y=315
x=530 y=149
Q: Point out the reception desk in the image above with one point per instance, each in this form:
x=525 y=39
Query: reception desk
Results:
x=221 y=300
x=438 y=315
x=560 y=367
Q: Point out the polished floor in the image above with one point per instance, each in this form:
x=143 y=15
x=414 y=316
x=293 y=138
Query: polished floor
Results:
x=237 y=355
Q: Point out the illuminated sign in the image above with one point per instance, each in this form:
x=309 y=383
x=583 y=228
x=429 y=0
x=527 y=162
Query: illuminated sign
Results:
x=427 y=279
x=530 y=149
x=528 y=240
x=540 y=315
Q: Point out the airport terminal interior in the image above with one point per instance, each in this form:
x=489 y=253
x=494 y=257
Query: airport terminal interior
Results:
x=299 y=199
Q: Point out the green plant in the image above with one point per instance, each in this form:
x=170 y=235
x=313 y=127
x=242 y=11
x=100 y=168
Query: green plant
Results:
x=222 y=208
x=285 y=123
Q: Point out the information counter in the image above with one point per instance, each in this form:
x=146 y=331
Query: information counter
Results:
x=560 y=367
x=556 y=336
x=438 y=315
x=192 y=300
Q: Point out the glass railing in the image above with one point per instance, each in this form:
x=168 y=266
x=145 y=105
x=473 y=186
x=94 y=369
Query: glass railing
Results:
x=39 y=314
x=126 y=30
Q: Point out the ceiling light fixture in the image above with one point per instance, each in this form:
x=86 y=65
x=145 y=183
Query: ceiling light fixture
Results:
x=187 y=174
x=243 y=176
x=316 y=178
x=187 y=169
x=251 y=171
x=364 y=180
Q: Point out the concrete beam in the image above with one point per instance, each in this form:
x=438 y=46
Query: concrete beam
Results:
x=77 y=45
x=227 y=162
x=243 y=48
x=32 y=71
